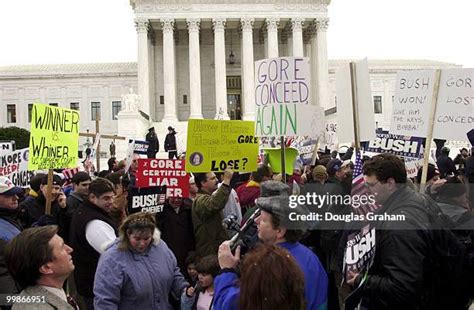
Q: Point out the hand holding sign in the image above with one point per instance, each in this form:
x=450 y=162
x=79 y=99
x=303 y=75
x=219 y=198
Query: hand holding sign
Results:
x=228 y=173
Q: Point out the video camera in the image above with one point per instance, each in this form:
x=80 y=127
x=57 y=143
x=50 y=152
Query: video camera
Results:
x=245 y=236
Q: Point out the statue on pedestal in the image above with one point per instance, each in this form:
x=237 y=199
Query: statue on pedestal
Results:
x=112 y=149
x=131 y=102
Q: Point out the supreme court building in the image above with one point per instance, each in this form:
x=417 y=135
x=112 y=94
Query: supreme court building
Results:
x=195 y=60
x=201 y=53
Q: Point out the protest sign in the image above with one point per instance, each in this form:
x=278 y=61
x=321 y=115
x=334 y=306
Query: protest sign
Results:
x=362 y=101
x=360 y=251
x=412 y=103
x=140 y=146
x=150 y=199
x=6 y=147
x=54 y=137
x=14 y=165
x=412 y=165
x=282 y=98
x=289 y=120
x=95 y=147
x=400 y=145
x=164 y=172
x=306 y=148
x=214 y=145
x=274 y=159
x=129 y=156
x=329 y=139
x=455 y=105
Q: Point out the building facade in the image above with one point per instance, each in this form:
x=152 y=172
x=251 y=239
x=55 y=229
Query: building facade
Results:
x=98 y=88
x=195 y=60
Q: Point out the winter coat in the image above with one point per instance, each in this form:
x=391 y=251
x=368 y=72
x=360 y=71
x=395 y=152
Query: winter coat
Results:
x=207 y=220
x=9 y=228
x=446 y=166
x=315 y=277
x=126 y=279
x=400 y=277
x=32 y=210
x=177 y=231
x=153 y=143
x=170 y=142
x=227 y=292
x=247 y=193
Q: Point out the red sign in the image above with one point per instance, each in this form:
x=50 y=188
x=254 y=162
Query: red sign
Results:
x=164 y=172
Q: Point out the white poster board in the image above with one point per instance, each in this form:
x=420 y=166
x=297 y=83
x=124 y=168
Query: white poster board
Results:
x=282 y=98
x=412 y=103
x=365 y=106
x=455 y=107
x=6 y=147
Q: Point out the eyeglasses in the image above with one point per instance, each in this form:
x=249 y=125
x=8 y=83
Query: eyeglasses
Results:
x=370 y=185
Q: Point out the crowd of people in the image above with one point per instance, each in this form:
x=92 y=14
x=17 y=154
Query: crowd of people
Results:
x=90 y=253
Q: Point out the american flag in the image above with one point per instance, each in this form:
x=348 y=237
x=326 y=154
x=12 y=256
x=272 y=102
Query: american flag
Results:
x=358 y=186
x=69 y=173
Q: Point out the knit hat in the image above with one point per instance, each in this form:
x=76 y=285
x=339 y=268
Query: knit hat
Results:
x=320 y=172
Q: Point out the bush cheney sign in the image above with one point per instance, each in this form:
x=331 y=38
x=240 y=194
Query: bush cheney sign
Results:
x=140 y=146
x=164 y=172
x=150 y=199
x=282 y=98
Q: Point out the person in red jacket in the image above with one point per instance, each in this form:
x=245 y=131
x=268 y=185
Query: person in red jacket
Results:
x=250 y=191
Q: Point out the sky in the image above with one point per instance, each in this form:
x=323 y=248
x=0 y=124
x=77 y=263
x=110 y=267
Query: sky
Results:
x=93 y=31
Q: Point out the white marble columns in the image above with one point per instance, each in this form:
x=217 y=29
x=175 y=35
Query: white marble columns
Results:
x=297 y=36
x=272 y=37
x=142 y=26
x=169 y=70
x=247 y=69
x=194 y=68
x=322 y=61
x=220 y=68
x=269 y=37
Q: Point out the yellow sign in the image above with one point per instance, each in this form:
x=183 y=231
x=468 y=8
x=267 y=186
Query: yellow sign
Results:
x=54 y=138
x=214 y=145
x=274 y=159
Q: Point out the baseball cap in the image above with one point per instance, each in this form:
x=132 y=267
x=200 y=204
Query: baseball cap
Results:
x=8 y=188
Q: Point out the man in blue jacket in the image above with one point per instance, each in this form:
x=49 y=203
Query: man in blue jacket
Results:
x=275 y=227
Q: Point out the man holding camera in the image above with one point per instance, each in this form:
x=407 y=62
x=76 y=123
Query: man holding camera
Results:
x=276 y=228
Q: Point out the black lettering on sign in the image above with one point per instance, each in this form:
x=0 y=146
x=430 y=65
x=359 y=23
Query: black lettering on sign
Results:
x=247 y=139
x=61 y=120
x=222 y=165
